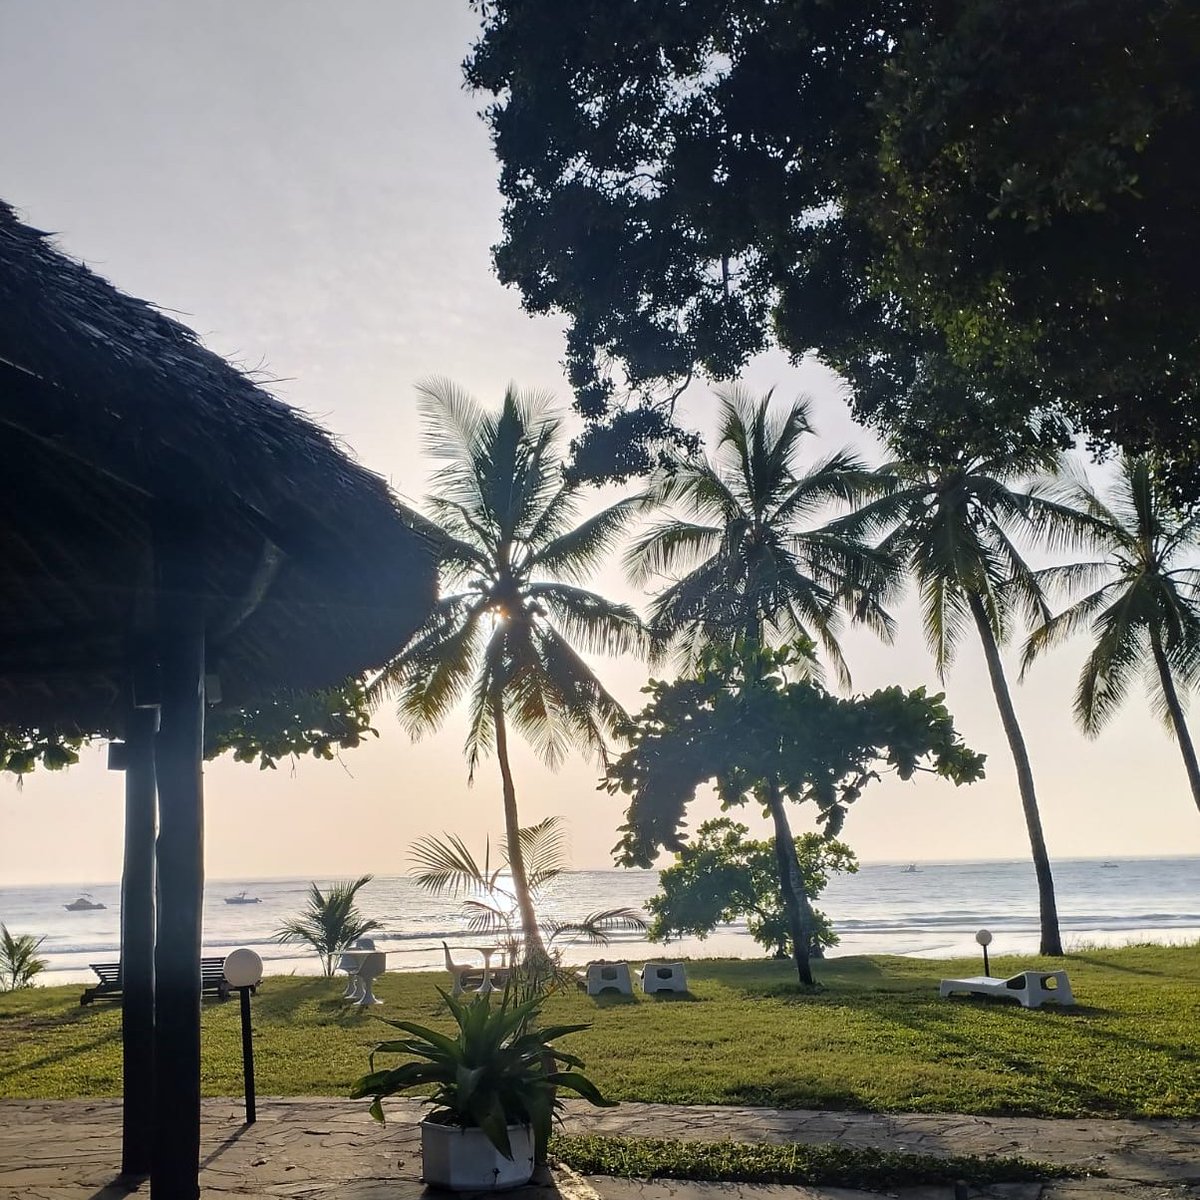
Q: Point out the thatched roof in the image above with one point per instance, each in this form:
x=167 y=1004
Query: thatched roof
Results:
x=112 y=416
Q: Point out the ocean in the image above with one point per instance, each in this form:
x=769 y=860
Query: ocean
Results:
x=933 y=911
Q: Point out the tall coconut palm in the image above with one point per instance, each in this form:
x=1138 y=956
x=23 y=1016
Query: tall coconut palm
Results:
x=1145 y=613
x=507 y=634
x=740 y=540
x=753 y=565
x=953 y=523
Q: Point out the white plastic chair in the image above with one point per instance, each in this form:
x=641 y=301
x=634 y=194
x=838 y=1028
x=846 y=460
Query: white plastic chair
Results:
x=1031 y=989
x=460 y=972
x=373 y=965
x=351 y=964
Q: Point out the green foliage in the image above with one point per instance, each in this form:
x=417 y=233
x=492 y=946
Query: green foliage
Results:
x=742 y=724
x=19 y=963
x=23 y=749
x=1006 y=182
x=294 y=724
x=875 y=1038
x=721 y=875
x=497 y=1070
x=830 y=1165
x=330 y=922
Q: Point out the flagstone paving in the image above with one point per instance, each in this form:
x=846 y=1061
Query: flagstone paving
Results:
x=317 y=1149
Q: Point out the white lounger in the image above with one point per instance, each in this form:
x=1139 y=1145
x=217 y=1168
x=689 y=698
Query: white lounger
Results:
x=1031 y=988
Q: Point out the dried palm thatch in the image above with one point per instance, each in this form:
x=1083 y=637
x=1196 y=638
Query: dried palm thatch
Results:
x=115 y=421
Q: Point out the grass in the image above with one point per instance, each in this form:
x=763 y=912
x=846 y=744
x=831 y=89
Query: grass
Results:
x=829 y=1166
x=875 y=1037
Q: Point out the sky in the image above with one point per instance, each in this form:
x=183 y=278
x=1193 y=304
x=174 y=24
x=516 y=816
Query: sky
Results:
x=309 y=187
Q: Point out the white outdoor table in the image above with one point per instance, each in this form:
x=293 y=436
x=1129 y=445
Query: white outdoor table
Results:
x=487 y=951
x=359 y=990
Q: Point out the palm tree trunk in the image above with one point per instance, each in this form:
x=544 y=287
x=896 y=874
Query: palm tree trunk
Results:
x=791 y=884
x=1051 y=940
x=1175 y=711
x=535 y=948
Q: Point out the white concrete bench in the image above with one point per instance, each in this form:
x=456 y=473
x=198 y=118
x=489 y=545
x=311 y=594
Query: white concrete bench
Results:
x=1031 y=989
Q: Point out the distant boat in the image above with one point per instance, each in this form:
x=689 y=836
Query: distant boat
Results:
x=911 y=869
x=1109 y=866
x=84 y=904
x=242 y=898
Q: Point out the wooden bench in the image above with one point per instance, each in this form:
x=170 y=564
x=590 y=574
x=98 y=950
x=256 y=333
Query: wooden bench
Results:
x=212 y=980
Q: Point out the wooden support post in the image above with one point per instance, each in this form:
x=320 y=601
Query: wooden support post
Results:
x=137 y=942
x=179 y=750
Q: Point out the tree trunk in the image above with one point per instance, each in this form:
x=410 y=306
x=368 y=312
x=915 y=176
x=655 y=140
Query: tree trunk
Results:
x=1175 y=712
x=1051 y=941
x=791 y=884
x=535 y=948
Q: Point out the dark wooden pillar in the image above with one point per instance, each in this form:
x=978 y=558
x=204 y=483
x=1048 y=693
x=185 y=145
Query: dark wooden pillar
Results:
x=137 y=942
x=179 y=758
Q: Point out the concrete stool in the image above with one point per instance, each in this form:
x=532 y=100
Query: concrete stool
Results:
x=663 y=977
x=608 y=977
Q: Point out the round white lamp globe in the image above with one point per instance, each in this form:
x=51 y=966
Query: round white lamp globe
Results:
x=983 y=937
x=243 y=968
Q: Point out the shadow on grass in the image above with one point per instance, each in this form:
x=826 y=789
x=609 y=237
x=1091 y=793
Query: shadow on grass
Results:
x=64 y=1055
x=673 y=998
x=613 y=1000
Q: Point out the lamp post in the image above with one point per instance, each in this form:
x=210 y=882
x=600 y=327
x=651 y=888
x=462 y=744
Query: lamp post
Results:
x=243 y=970
x=984 y=938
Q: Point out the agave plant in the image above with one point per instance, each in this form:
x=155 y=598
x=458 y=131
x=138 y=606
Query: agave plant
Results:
x=496 y=1072
x=19 y=963
x=330 y=922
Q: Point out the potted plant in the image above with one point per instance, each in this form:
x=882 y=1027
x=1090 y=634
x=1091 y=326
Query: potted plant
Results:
x=494 y=1090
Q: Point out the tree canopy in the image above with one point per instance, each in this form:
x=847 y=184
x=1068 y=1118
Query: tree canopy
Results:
x=1008 y=183
x=722 y=874
x=743 y=724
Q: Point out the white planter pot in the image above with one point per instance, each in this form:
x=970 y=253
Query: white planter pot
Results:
x=463 y=1160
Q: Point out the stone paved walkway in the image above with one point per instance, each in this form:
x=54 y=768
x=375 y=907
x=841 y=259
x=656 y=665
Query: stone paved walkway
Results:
x=317 y=1149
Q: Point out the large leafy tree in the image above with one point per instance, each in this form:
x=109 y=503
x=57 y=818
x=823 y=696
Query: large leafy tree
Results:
x=1144 y=615
x=723 y=874
x=756 y=725
x=507 y=634
x=741 y=541
x=956 y=520
x=1008 y=180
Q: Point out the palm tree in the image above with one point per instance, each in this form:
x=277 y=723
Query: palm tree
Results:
x=446 y=866
x=951 y=523
x=740 y=530
x=330 y=922
x=508 y=632
x=19 y=963
x=1148 y=600
x=756 y=569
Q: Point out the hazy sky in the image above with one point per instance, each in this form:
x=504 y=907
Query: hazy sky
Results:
x=309 y=187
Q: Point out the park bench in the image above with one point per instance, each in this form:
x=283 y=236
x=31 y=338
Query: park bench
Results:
x=212 y=980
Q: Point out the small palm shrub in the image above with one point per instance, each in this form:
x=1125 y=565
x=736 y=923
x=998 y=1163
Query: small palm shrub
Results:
x=497 y=1071
x=19 y=963
x=330 y=922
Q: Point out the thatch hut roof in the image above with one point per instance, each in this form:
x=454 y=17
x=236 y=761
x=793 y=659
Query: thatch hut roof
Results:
x=114 y=417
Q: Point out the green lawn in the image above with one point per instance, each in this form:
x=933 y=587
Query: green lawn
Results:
x=875 y=1038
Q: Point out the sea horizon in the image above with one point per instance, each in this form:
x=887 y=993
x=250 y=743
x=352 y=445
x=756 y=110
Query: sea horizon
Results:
x=933 y=911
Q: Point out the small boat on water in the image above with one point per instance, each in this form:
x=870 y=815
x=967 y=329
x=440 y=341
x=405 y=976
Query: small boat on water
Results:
x=242 y=898
x=84 y=904
x=1109 y=866
x=911 y=869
